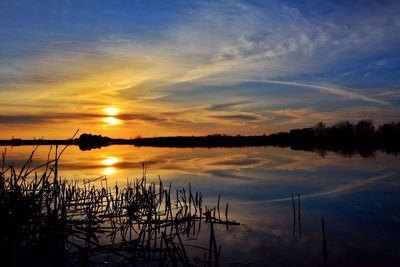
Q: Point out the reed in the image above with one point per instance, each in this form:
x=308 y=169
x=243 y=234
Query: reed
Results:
x=47 y=221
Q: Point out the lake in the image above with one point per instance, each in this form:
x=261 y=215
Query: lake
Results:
x=357 y=197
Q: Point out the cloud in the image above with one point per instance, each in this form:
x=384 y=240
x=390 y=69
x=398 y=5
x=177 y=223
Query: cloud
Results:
x=232 y=104
x=306 y=117
x=238 y=117
x=212 y=44
x=161 y=118
x=331 y=89
x=55 y=118
x=246 y=41
x=219 y=42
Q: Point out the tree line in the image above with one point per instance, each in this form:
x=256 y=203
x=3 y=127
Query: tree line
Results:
x=343 y=137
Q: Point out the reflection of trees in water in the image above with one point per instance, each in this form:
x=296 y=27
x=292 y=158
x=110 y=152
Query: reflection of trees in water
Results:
x=343 y=138
x=49 y=222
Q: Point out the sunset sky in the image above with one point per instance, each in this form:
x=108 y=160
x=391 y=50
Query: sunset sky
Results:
x=153 y=68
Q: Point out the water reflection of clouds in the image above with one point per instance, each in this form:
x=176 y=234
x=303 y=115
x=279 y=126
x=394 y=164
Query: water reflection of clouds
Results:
x=244 y=174
x=109 y=162
x=340 y=189
x=361 y=230
x=233 y=175
x=234 y=163
x=258 y=183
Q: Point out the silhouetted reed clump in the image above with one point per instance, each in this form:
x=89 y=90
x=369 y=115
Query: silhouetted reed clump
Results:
x=47 y=221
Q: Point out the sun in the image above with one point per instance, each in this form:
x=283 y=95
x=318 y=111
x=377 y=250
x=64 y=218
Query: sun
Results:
x=111 y=111
x=111 y=121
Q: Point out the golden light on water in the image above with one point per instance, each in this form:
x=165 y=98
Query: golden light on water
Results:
x=109 y=171
x=111 y=111
x=109 y=161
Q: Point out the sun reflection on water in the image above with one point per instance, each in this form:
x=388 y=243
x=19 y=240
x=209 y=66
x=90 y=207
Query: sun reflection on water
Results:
x=109 y=171
x=109 y=162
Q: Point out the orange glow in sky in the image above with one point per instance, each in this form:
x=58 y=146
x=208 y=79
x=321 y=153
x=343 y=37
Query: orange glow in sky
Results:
x=186 y=79
x=111 y=111
x=111 y=121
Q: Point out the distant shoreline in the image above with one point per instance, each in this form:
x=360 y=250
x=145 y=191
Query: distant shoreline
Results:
x=344 y=137
x=366 y=148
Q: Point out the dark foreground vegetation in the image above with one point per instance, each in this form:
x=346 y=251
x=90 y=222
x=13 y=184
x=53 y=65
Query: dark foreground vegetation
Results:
x=46 y=221
x=344 y=138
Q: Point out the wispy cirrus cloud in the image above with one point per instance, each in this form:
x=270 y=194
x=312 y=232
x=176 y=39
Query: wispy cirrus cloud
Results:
x=182 y=65
x=331 y=89
x=231 y=104
x=239 y=117
x=280 y=40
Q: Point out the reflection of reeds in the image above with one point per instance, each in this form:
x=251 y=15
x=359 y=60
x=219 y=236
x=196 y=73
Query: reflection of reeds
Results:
x=49 y=221
x=298 y=216
x=294 y=217
x=298 y=206
x=324 y=247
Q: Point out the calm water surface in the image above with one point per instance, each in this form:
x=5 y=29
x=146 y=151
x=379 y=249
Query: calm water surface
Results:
x=359 y=198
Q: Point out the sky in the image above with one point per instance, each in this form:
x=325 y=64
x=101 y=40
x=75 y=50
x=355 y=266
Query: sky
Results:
x=161 y=68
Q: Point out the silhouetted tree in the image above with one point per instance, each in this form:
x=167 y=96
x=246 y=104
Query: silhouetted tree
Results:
x=389 y=130
x=364 y=128
x=320 y=129
x=90 y=141
x=342 y=129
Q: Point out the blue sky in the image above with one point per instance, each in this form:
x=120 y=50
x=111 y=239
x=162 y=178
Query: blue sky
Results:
x=195 y=67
